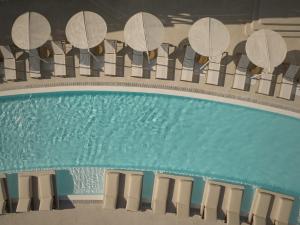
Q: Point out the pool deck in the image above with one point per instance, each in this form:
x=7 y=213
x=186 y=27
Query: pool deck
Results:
x=94 y=214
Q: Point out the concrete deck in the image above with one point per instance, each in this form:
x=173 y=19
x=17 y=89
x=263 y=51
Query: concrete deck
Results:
x=93 y=214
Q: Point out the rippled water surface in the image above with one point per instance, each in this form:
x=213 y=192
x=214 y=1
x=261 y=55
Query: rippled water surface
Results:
x=151 y=132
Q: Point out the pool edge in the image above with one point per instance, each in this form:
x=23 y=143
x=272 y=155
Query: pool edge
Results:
x=152 y=90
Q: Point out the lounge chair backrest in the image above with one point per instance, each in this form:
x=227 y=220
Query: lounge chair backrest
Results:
x=25 y=192
x=265 y=82
x=133 y=191
x=288 y=85
x=210 y=201
x=45 y=186
x=57 y=48
x=6 y=52
x=59 y=59
x=110 y=57
x=3 y=193
x=163 y=50
x=188 y=64
x=137 y=63
x=184 y=193
x=243 y=62
x=232 y=199
x=241 y=78
x=160 y=194
x=84 y=62
x=34 y=64
x=189 y=53
x=110 y=46
x=291 y=72
x=281 y=210
x=162 y=61
x=137 y=57
x=25 y=187
x=9 y=65
x=111 y=189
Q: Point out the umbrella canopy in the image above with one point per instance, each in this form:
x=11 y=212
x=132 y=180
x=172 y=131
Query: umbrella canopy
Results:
x=266 y=49
x=86 y=30
x=209 y=37
x=144 y=32
x=30 y=30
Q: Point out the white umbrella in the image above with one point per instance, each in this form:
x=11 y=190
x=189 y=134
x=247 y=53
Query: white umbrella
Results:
x=30 y=30
x=209 y=37
x=144 y=32
x=266 y=49
x=86 y=30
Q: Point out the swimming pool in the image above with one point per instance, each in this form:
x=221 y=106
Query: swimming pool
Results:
x=150 y=132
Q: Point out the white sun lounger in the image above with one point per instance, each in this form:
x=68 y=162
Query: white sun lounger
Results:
x=232 y=203
x=162 y=61
x=184 y=196
x=281 y=210
x=261 y=204
x=265 y=83
x=210 y=201
x=3 y=193
x=240 y=76
x=213 y=72
x=25 y=193
x=160 y=194
x=9 y=64
x=111 y=189
x=45 y=191
x=134 y=189
x=188 y=64
x=260 y=207
x=33 y=64
x=59 y=59
x=137 y=64
x=110 y=57
x=288 y=82
x=84 y=62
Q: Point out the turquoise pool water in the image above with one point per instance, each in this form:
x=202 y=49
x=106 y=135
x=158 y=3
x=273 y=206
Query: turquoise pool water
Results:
x=150 y=132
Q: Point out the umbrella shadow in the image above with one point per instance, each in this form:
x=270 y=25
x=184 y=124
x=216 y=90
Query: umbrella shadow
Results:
x=180 y=53
x=239 y=49
x=223 y=68
x=293 y=58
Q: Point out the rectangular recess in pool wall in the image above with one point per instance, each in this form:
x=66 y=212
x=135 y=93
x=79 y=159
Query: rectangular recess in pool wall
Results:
x=80 y=181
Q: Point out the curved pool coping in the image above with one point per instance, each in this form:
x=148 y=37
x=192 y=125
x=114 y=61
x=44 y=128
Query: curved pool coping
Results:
x=151 y=90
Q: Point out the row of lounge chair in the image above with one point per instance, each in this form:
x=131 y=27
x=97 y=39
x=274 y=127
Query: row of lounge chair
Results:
x=288 y=84
x=36 y=190
x=108 y=64
x=220 y=201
